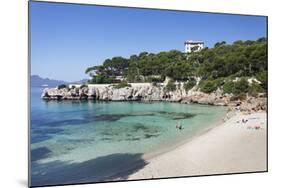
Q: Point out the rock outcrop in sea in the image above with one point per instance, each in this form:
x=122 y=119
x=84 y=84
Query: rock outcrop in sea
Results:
x=147 y=92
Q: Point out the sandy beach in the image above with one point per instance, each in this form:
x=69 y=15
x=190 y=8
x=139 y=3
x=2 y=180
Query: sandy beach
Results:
x=230 y=147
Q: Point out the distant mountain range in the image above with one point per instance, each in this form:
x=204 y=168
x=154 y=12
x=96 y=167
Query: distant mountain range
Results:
x=37 y=81
x=79 y=82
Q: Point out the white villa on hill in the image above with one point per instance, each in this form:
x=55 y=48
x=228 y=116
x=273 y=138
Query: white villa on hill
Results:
x=193 y=46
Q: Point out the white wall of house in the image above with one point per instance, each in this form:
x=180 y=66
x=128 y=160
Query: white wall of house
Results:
x=191 y=44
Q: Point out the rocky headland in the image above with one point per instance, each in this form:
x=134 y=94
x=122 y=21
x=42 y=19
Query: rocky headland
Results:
x=147 y=92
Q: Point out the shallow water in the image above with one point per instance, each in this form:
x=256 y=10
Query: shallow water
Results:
x=78 y=142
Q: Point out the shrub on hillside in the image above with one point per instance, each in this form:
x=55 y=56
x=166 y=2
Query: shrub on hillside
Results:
x=154 y=84
x=262 y=77
x=154 y=79
x=62 y=86
x=83 y=86
x=255 y=88
x=122 y=85
x=219 y=81
x=241 y=86
x=101 y=79
x=189 y=84
x=208 y=86
x=171 y=86
x=228 y=86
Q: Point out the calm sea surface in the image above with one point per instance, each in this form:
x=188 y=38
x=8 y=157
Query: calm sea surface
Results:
x=80 y=142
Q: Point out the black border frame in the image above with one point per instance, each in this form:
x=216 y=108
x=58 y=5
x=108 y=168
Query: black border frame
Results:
x=117 y=6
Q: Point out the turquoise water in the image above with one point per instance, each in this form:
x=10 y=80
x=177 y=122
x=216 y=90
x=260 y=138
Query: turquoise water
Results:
x=79 y=142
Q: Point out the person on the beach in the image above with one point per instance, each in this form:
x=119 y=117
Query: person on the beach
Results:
x=179 y=126
x=244 y=120
x=238 y=107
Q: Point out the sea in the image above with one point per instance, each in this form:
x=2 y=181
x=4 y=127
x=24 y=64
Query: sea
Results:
x=74 y=142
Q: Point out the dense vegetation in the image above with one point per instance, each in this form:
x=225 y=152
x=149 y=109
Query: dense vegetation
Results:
x=217 y=67
x=61 y=86
x=122 y=85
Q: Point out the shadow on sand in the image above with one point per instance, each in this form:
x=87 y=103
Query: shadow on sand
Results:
x=106 y=168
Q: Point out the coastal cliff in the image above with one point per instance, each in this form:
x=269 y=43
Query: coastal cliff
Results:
x=107 y=92
x=147 y=92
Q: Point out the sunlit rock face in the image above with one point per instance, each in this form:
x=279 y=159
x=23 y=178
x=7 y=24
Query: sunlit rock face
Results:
x=148 y=92
x=134 y=93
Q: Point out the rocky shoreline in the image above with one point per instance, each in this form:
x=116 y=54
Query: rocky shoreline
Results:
x=147 y=92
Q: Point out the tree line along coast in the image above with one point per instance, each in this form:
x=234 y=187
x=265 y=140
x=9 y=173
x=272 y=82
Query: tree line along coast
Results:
x=228 y=72
x=237 y=68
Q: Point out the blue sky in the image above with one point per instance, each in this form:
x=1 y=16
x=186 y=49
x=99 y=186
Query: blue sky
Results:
x=68 y=38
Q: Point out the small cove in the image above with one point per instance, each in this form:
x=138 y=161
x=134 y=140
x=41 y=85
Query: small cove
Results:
x=70 y=134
